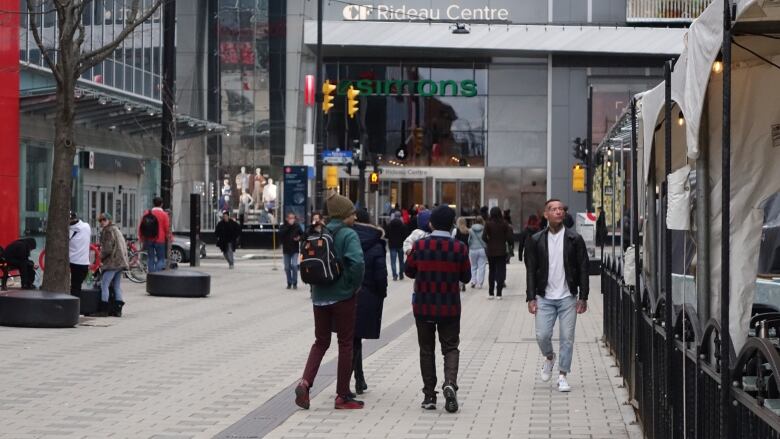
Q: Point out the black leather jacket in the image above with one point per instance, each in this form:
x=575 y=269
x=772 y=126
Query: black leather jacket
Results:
x=575 y=264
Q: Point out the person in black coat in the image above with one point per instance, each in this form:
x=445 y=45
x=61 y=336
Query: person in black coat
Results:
x=17 y=255
x=290 y=234
x=372 y=292
x=396 y=232
x=228 y=231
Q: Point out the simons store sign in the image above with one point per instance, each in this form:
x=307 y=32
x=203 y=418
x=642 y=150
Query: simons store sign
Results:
x=404 y=13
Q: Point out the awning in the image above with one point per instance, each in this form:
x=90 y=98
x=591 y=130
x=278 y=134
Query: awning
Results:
x=115 y=112
x=500 y=38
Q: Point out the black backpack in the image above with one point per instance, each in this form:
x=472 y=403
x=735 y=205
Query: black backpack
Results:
x=319 y=264
x=149 y=226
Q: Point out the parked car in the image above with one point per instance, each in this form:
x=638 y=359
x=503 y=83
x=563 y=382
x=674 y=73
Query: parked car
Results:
x=180 y=249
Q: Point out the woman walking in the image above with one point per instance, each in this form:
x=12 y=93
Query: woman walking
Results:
x=461 y=233
x=477 y=254
x=531 y=228
x=499 y=238
x=372 y=293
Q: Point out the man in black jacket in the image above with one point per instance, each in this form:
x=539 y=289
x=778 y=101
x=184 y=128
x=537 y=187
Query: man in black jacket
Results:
x=556 y=262
x=396 y=233
x=290 y=234
x=228 y=231
x=17 y=255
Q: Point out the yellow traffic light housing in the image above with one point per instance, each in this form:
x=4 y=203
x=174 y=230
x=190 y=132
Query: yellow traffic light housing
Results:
x=352 y=101
x=578 y=178
x=327 y=93
x=373 y=181
x=331 y=177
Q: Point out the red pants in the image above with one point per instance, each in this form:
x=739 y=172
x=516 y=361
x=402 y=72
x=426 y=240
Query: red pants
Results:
x=339 y=317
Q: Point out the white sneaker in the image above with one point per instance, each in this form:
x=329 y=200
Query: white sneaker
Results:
x=563 y=384
x=491 y=297
x=499 y=298
x=547 y=367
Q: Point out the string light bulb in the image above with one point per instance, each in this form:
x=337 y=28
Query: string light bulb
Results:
x=717 y=66
x=680 y=119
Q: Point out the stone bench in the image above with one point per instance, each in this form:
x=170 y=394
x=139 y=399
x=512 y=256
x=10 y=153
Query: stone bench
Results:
x=38 y=309
x=90 y=300
x=178 y=283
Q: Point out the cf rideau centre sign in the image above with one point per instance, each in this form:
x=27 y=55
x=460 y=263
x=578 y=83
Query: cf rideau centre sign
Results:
x=404 y=13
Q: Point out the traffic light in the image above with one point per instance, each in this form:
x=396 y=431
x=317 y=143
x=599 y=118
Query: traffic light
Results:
x=373 y=181
x=352 y=101
x=579 y=149
x=327 y=93
x=331 y=177
x=418 y=140
x=578 y=178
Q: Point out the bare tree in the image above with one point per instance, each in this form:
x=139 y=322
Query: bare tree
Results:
x=70 y=62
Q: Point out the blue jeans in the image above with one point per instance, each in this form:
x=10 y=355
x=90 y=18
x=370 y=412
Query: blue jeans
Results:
x=291 y=268
x=397 y=254
x=548 y=311
x=111 y=278
x=156 y=255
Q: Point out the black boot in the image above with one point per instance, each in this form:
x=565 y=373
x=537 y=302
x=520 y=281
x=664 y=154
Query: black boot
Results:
x=357 y=367
x=116 y=310
x=103 y=309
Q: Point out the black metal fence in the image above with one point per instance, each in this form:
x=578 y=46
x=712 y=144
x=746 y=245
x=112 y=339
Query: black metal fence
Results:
x=690 y=405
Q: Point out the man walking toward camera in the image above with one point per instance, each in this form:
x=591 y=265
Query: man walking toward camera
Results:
x=556 y=263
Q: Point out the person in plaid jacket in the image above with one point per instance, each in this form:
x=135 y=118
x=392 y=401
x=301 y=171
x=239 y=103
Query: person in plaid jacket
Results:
x=438 y=264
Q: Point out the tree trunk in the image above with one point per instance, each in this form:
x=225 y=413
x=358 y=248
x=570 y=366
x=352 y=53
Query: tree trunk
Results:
x=56 y=277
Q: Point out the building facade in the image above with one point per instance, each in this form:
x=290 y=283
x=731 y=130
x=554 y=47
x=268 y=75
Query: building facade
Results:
x=474 y=103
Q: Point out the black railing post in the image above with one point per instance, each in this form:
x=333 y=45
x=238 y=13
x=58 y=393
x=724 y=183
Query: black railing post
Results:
x=725 y=344
x=668 y=244
x=635 y=179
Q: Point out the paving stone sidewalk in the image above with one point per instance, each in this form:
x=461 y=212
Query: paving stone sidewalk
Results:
x=500 y=393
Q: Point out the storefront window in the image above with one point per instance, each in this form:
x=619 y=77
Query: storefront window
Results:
x=36 y=166
x=436 y=115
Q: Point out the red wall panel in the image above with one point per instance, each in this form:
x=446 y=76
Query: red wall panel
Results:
x=9 y=121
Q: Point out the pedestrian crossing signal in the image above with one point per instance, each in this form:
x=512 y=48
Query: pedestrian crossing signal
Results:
x=373 y=181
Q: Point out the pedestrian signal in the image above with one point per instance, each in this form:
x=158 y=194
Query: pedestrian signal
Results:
x=373 y=181
x=578 y=178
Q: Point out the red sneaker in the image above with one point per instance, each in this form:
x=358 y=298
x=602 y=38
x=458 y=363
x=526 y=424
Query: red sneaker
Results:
x=302 y=394
x=348 y=403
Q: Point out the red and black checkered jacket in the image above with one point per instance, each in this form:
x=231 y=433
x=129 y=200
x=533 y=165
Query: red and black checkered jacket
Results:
x=438 y=264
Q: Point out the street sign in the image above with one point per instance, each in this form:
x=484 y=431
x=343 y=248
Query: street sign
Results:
x=401 y=153
x=296 y=190
x=336 y=157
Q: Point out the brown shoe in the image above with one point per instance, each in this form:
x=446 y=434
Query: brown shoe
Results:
x=302 y=394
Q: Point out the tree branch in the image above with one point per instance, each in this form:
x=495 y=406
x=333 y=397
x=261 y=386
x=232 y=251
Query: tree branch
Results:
x=92 y=58
x=32 y=5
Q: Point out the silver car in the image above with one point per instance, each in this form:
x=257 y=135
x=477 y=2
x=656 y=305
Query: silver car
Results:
x=180 y=249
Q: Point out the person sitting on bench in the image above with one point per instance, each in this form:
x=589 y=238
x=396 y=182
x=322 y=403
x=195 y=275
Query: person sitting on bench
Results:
x=17 y=255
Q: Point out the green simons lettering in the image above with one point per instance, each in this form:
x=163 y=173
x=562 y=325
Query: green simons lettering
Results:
x=425 y=87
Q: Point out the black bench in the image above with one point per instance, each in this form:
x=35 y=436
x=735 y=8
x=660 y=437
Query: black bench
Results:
x=38 y=309
x=178 y=283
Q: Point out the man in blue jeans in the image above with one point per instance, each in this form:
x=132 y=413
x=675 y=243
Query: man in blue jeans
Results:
x=396 y=232
x=154 y=231
x=556 y=263
x=290 y=234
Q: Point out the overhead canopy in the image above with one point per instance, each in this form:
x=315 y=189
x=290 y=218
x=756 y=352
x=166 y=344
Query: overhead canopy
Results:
x=100 y=109
x=499 y=38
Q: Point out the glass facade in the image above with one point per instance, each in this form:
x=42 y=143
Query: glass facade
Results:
x=134 y=67
x=435 y=113
x=243 y=45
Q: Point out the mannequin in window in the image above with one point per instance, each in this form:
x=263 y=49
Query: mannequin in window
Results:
x=269 y=196
x=242 y=180
x=244 y=204
x=258 y=181
x=224 y=199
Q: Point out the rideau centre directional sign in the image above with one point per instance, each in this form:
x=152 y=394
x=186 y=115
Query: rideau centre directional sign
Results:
x=336 y=157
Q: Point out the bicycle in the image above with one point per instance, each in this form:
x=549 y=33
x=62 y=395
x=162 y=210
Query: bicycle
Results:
x=137 y=264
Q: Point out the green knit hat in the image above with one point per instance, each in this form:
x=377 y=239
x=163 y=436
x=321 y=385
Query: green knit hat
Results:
x=339 y=207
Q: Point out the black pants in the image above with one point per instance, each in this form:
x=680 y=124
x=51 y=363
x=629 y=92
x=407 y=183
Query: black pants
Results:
x=77 y=275
x=497 y=274
x=449 y=337
x=357 y=359
x=26 y=271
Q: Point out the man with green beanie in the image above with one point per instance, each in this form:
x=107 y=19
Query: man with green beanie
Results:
x=334 y=306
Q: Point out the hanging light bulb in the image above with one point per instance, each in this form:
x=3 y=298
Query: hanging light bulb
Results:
x=680 y=119
x=717 y=66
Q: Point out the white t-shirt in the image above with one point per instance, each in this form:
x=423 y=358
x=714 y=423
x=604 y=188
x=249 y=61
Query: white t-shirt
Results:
x=556 y=279
x=79 y=243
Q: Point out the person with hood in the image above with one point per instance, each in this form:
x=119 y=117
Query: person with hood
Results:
x=17 y=255
x=334 y=307
x=477 y=255
x=227 y=232
x=113 y=259
x=291 y=233
x=499 y=237
x=531 y=227
x=422 y=230
x=396 y=232
x=368 y=319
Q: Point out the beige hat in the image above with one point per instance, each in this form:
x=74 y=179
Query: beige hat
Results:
x=339 y=207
